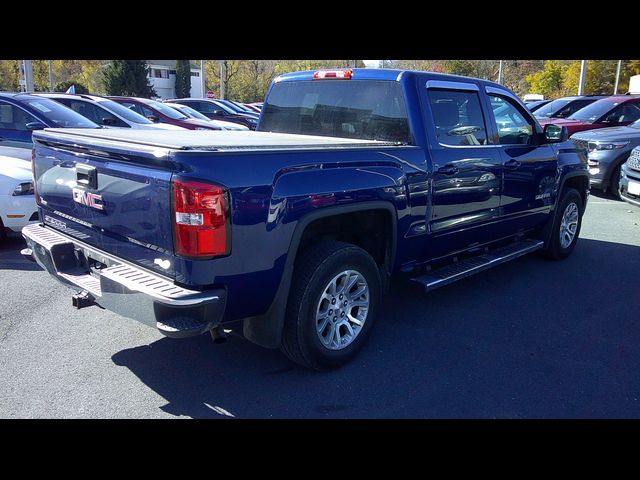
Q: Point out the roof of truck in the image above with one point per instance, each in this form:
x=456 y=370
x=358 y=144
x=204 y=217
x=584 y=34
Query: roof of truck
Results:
x=384 y=74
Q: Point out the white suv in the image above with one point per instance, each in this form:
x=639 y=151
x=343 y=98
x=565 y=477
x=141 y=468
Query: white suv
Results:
x=17 y=204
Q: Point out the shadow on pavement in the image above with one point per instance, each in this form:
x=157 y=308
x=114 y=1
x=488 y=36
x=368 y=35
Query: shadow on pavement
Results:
x=10 y=258
x=530 y=339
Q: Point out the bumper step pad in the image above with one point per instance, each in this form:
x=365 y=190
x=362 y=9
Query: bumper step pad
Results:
x=124 y=288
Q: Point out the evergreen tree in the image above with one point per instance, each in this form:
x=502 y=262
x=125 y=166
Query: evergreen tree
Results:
x=129 y=78
x=183 y=79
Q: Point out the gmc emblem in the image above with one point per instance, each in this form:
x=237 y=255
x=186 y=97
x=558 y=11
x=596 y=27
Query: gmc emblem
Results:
x=92 y=200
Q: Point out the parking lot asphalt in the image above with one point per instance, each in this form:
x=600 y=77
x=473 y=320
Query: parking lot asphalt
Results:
x=529 y=339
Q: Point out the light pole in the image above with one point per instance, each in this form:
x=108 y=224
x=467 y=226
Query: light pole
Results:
x=500 y=73
x=26 y=71
x=203 y=86
x=583 y=77
x=50 y=77
x=615 y=89
x=222 y=79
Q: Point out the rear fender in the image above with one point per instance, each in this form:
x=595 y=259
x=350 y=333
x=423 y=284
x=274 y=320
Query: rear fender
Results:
x=332 y=193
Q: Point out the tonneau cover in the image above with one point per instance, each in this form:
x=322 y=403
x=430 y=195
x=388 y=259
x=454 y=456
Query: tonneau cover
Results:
x=204 y=139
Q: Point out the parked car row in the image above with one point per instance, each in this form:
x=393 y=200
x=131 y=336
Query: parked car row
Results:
x=225 y=110
x=534 y=105
x=194 y=114
x=21 y=114
x=608 y=128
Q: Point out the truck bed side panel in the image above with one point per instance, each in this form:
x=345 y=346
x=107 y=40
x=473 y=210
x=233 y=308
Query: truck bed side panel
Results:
x=266 y=209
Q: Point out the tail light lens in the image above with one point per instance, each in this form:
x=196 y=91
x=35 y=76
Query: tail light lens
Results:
x=200 y=219
x=33 y=176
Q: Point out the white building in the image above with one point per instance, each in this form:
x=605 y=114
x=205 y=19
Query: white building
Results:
x=634 y=85
x=162 y=77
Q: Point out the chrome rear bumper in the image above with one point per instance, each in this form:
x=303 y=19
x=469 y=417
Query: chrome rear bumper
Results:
x=125 y=288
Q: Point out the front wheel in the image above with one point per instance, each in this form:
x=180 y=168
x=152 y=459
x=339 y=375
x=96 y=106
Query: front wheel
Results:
x=566 y=226
x=332 y=305
x=614 y=184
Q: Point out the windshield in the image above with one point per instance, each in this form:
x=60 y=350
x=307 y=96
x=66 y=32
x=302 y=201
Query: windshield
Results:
x=231 y=106
x=168 y=111
x=124 y=112
x=189 y=111
x=241 y=107
x=225 y=107
x=592 y=112
x=550 y=108
x=361 y=109
x=59 y=115
x=635 y=124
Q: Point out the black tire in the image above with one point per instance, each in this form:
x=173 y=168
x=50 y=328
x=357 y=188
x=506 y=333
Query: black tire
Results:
x=313 y=272
x=614 y=183
x=3 y=233
x=554 y=249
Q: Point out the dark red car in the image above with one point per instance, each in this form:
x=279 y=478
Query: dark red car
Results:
x=158 y=112
x=611 y=111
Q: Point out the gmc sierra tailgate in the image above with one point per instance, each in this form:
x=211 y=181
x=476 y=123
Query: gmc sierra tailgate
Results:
x=107 y=195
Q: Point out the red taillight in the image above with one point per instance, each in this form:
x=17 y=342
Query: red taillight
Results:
x=200 y=218
x=33 y=175
x=338 y=74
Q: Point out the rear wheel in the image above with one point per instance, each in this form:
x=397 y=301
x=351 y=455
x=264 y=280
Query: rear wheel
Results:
x=332 y=305
x=566 y=227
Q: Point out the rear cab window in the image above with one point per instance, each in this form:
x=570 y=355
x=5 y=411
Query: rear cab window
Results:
x=358 y=109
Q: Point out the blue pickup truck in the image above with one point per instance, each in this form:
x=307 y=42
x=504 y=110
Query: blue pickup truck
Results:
x=294 y=231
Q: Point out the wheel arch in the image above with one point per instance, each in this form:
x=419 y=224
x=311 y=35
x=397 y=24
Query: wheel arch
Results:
x=266 y=329
x=619 y=160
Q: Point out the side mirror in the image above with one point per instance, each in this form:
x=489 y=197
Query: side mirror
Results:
x=35 y=126
x=153 y=118
x=555 y=133
x=109 y=122
x=218 y=112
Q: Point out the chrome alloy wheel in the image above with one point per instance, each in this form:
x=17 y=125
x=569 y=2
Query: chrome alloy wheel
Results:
x=569 y=225
x=342 y=309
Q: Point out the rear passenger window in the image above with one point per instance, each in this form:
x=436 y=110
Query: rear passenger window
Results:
x=458 y=117
x=90 y=111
